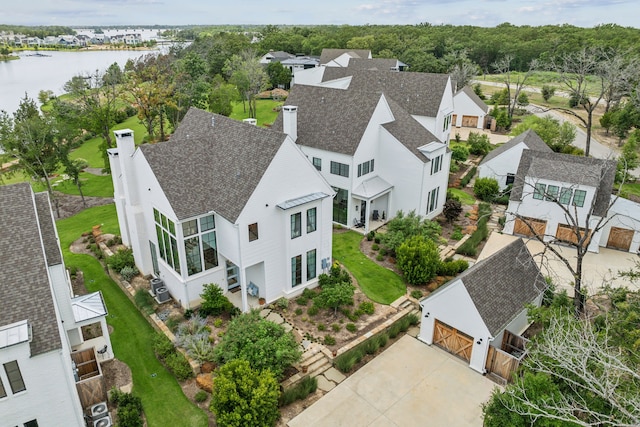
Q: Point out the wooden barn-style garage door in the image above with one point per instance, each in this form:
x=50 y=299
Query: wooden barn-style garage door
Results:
x=521 y=228
x=620 y=238
x=469 y=121
x=566 y=233
x=452 y=340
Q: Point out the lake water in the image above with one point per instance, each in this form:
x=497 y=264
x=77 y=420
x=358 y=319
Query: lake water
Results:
x=32 y=74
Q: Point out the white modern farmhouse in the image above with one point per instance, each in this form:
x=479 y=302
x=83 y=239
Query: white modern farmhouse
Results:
x=49 y=365
x=223 y=202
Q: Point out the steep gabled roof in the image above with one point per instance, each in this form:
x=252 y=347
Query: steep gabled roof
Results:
x=380 y=64
x=529 y=137
x=331 y=119
x=212 y=163
x=329 y=55
x=280 y=55
x=467 y=90
x=25 y=291
x=570 y=169
x=418 y=93
x=49 y=238
x=500 y=286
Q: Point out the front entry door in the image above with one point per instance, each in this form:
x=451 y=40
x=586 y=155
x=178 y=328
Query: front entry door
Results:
x=233 y=281
x=363 y=212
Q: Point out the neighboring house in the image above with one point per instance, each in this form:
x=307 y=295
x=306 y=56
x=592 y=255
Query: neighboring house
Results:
x=275 y=56
x=364 y=139
x=548 y=186
x=41 y=325
x=223 y=202
x=469 y=110
x=132 y=39
x=380 y=64
x=99 y=39
x=478 y=314
x=68 y=40
x=34 y=41
x=295 y=63
x=50 y=40
x=341 y=57
x=502 y=162
x=622 y=230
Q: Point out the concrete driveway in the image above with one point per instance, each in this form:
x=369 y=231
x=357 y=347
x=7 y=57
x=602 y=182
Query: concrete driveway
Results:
x=409 y=384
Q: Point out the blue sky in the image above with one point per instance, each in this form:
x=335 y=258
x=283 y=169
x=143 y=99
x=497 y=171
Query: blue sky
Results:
x=488 y=13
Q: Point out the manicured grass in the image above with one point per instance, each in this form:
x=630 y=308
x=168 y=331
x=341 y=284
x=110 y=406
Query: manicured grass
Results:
x=92 y=185
x=264 y=113
x=465 y=198
x=631 y=188
x=162 y=398
x=90 y=151
x=379 y=284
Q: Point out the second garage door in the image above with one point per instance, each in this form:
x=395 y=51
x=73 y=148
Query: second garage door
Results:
x=523 y=227
x=620 y=238
x=452 y=340
x=470 y=121
x=566 y=233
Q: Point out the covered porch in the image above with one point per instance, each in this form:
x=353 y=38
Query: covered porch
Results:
x=245 y=286
x=371 y=200
x=90 y=329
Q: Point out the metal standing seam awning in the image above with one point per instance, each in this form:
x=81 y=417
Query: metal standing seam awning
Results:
x=292 y=203
x=88 y=307
x=372 y=188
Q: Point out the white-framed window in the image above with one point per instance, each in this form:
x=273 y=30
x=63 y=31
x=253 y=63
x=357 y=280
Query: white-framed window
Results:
x=296 y=270
x=167 y=243
x=311 y=220
x=317 y=163
x=436 y=164
x=14 y=376
x=432 y=200
x=366 y=167
x=200 y=245
x=339 y=169
x=296 y=225
x=311 y=264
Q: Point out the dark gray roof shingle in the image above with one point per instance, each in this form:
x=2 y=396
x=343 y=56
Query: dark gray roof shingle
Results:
x=380 y=64
x=529 y=137
x=330 y=119
x=500 y=286
x=574 y=170
x=25 y=292
x=328 y=55
x=49 y=238
x=212 y=163
x=419 y=93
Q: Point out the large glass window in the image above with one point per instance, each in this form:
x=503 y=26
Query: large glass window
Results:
x=167 y=243
x=311 y=220
x=296 y=225
x=340 y=205
x=15 y=377
x=189 y=228
x=210 y=250
x=296 y=270
x=199 y=245
x=578 y=198
x=311 y=264
x=192 y=252
x=339 y=169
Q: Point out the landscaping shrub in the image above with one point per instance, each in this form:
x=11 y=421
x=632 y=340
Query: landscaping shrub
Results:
x=380 y=257
x=282 y=303
x=245 y=397
x=179 y=366
x=329 y=340
x=336 y=290
x=217 y=323
x=351 y=327
x=479 y=144
x=452 y=209
x=188 y=313
x=417 y=294
x=214 y=303
x=468 y=177
x=375 y=247
x=394 y=330
x=377 y=240
x=172 y=322
x=300 y=391
x=129 y=273
x=371 y=235
x=486 y=189
x=313 y=310
x=367 y=307
x=336 y=327
x=322 y=327
x=201 y=396
x=121 y=259
x=162 y=346
x=469 y=247
x=200 y=349
x=129 y=408
x=452 y=268
x=459 y=153
x=457 y=234
x=383 y=252
x=308 y=293
x=402 y=227
x=144 y=301
x=418 y=259
x=371 y=346
x=264 y=344
x=298 y=311
x=382 y=339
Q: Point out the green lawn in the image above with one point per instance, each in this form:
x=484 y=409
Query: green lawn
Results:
x=162 y=398
x=465 y=198
x=264 y=114
x=631 y=189
x=379 y=284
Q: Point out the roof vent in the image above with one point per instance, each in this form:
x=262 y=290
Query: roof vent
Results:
x=213 y=121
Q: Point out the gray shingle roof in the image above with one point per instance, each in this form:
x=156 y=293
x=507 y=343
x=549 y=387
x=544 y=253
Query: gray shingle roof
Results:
x=575 y=170
x=330 y=119
x=500 y=286
x=328 y=55
x=418 y=93
x=25 y=292
x=529 y=137
x=380 y=64
x=467 y=90
x=49 y=238
x=408 y=131
x=205 y=167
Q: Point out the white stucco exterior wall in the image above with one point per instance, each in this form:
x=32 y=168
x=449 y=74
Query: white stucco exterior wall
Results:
x=464 y=106
x=502 y=165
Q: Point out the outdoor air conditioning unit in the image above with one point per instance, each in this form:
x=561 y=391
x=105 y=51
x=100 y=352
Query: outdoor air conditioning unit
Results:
x=162 y=295
x=99 y=410
x=103 y=422
x=156 y=284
